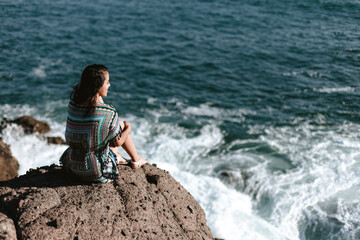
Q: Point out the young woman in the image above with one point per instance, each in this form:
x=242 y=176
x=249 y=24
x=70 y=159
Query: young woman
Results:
x=94 y=131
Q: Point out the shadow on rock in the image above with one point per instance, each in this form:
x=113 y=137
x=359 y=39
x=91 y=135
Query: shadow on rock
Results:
x=145 y=203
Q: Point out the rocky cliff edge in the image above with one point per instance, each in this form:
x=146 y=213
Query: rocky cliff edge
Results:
x=145 y=203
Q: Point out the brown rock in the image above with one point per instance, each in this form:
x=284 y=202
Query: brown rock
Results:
x=31 y=125
x=55 y=140
x=8 y=164
x=7 y=227
x=145 y=203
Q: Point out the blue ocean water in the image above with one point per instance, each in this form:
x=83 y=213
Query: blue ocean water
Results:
x=251 y=104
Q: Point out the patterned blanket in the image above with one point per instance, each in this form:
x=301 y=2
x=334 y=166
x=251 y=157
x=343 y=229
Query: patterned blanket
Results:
x=88 y=137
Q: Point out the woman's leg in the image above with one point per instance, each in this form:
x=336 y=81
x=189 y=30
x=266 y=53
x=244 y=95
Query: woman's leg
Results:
x=119 y=159
x=115 y=150
x=130 y=148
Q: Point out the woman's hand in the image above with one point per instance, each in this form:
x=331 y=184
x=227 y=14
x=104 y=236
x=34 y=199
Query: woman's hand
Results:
x=127 y=126
x=120 y=139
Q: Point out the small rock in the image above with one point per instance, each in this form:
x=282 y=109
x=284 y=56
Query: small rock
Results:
x=31 y=125
x=7 y=227
x=56 y=140
x=8 y=164
x=21 y=203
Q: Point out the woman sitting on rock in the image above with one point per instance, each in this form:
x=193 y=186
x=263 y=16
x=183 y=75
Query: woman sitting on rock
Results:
x=94 y=131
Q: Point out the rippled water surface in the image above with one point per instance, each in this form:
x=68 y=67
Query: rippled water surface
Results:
x=252 y=105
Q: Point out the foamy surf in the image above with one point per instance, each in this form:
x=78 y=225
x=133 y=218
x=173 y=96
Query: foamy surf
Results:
x=229 y=212
x=32 y=150
x=290 y=182
x=323 y=161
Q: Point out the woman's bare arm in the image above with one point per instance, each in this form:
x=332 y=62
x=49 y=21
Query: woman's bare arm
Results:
x=118 y=141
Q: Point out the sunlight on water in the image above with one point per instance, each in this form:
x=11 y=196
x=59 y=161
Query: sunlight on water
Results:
x=252 y=105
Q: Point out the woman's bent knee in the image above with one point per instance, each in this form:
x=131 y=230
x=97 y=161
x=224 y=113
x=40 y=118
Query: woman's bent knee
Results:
x=122 y=125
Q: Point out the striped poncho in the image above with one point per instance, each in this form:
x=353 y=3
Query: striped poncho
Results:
x=88 y=156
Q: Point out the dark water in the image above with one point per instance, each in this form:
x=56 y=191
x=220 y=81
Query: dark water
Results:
x=261 y=97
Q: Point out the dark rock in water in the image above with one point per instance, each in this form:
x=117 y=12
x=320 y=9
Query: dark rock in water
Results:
x=145 y=203
x=3 y=124
x=235 y=179
x=8 y=164
x=56 y=140
x=31 y=125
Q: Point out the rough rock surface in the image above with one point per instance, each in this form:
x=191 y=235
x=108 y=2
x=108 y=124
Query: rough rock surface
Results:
x=8 y=164
x=7 y=227
x=145 y=203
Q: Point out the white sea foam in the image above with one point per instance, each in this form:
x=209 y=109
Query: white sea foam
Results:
x=311 y=74
x=229 y=212
x=42 y=69
x=323 y=165
x=151 y=100
x=167 y=143
x=171 y=149
x=39 y=71
x=336 y=90
x=237 y=115
x=31 y=151
x=13 y=111
x=46 y=112
x=323 y=159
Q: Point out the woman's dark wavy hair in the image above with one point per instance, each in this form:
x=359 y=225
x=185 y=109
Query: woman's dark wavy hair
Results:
x=92 y=79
